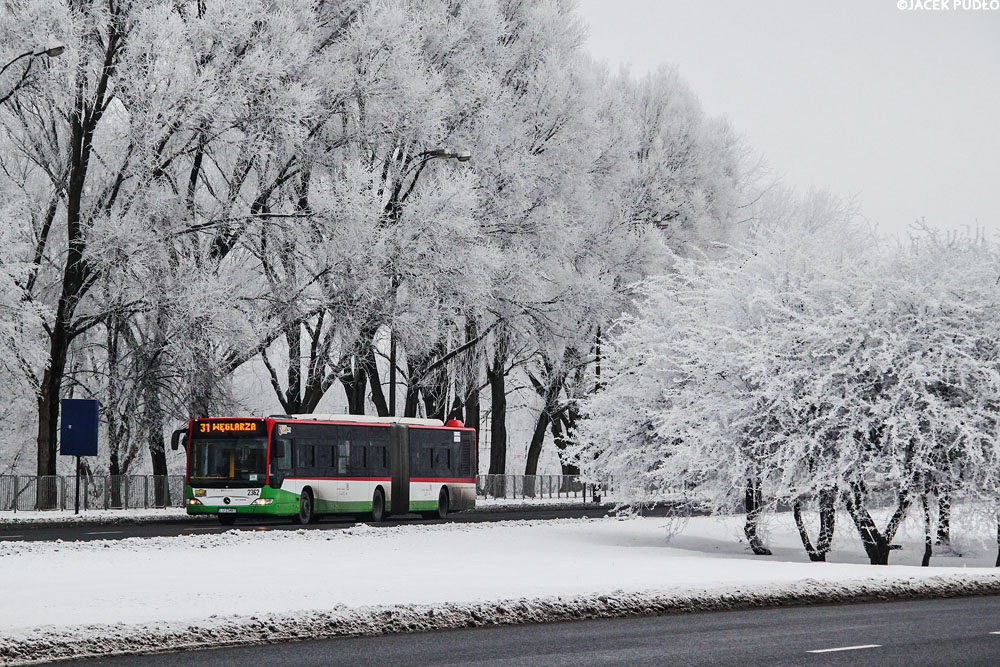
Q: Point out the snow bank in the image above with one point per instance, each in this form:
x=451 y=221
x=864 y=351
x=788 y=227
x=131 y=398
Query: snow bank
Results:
x=344 y=621
x=240 y=587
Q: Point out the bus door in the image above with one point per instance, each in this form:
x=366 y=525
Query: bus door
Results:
x=400 y=468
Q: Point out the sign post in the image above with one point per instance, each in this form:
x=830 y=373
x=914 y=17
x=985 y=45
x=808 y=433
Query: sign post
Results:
x=78 y=432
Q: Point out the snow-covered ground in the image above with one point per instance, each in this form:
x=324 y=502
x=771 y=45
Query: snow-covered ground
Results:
x=68 y=598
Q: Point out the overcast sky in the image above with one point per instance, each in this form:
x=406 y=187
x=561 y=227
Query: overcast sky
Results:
x=897 y=107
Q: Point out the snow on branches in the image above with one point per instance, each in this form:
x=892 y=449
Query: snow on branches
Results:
x=812 y=361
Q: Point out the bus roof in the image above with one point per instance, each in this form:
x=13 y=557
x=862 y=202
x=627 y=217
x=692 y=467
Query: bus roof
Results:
x=369 y=419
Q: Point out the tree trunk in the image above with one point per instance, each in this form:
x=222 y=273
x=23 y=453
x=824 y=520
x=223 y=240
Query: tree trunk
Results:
x=498 y=421
x=378 y=395
x=496 y=377
x=293 y=376
x=550 y=407
x=876 y=543
x=597 y=360
x=472 y=417
x=48 y=414
x=155 y=417
x=355 y=384
x=753 y=503
x=562 y=426
x=537 y=440
x=48 y=397
x=998 y=544
x=827 y=517
x=928 y=532
x=83 y=120
x=471 y=392
x=944 y=519
x=204 y=383
x=113 y=397
x=412 y=391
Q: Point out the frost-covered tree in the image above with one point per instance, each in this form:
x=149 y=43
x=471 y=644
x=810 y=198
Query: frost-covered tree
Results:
x=654 y=156
x=200 y=185
x=109 y=145
x=810 y=362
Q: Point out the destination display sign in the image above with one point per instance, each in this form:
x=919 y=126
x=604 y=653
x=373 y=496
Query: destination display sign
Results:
x=229 y=427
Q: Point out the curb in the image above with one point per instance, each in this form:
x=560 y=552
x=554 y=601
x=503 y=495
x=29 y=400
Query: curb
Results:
x=371 y=621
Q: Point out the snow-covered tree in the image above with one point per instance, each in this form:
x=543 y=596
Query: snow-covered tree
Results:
x=810 y=362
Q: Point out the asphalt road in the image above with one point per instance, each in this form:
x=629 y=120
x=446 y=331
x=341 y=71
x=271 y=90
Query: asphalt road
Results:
x=962 y=631
x=41 y=532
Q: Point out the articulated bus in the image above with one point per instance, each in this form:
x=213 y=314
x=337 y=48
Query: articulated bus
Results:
x=302 y=466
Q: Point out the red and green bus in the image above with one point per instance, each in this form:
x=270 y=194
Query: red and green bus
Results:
x=304 y=466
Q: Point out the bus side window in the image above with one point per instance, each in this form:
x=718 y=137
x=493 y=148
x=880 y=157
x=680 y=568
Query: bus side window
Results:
x=324 y=458
x=343 y=456
x=306 y=458
x=378 y=457
x=281 y=465
x=357 y=466
x=284 y=462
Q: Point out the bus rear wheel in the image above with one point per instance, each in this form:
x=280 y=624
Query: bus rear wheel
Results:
x=442 y=509
x=378 y=506
x=307 y=512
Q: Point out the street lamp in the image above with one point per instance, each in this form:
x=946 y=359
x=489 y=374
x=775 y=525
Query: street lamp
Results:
x=50 y=49
x=397 y=206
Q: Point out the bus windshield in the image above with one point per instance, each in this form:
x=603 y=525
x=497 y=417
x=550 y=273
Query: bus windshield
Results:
x=217 y=462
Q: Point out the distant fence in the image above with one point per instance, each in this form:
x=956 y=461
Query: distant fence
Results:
x=20 y=493
x=523 y=487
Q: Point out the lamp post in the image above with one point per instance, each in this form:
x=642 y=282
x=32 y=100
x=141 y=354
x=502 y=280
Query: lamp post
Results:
x=395 y=208
x=50 y=49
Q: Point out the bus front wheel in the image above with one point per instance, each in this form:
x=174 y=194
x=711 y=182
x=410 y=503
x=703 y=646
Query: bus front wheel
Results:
x=307 y=513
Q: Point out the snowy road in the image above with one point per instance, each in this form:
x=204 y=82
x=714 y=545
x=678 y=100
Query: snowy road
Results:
x=927 y=632
x=203 y=526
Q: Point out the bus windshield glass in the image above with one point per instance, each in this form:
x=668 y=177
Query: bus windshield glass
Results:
x=222 y=461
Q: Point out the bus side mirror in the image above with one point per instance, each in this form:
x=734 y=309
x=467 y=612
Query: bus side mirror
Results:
x=278 y=449
x=176 y=437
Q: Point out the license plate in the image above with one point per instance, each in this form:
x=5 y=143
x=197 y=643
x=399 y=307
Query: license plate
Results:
x=227 y=510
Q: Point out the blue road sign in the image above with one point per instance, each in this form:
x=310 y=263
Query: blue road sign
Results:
x=78 y=431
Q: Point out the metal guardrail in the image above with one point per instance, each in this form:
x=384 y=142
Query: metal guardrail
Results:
x=20 y=493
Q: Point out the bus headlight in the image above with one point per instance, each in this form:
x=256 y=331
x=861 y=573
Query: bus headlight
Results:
x=263 y=501
x=194 y=501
